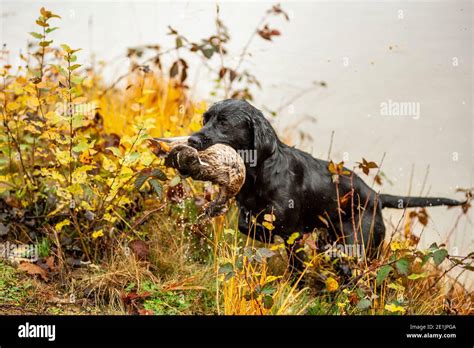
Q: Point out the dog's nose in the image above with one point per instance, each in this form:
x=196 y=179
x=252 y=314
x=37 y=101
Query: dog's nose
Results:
x=195 y=142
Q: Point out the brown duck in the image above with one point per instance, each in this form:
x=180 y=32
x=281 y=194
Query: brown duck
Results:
x=219 y=164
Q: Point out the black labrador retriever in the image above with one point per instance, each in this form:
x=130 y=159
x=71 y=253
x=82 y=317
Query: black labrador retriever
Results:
x=296 y=187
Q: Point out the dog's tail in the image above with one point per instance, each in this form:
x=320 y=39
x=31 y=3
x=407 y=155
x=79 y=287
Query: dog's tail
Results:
x=401 y=202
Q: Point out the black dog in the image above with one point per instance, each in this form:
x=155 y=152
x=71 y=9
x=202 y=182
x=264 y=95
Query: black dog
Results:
x=296 y=187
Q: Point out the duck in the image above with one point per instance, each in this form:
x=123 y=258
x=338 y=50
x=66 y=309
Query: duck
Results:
x=219 y=164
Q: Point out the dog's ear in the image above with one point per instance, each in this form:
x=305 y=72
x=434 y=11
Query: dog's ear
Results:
x=265 y=140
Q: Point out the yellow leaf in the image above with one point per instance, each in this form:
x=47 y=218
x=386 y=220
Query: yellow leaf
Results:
x=86 y=205
x=88 y=83
x=229 y=231
x=332 y=168
x=63 y=156
x=108 y=164
x=32 y=102
x=268 y=225
x=332 y=284
x=79 y=176
x=292 y=238
x=277 y=246
x=399 y=245
x=32 y=129
x=394 y=308
x=109 y=217
x=343 y=304
x=269 y=217
x=395 y=245
x=75 y=189
x=12 y=106
x=396 y=286
x=325 y=222
x=271 y=278
x=97 y=234
x=59 y=226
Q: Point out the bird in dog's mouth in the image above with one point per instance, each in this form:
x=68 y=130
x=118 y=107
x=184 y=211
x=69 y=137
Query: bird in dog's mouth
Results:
x=219 y=164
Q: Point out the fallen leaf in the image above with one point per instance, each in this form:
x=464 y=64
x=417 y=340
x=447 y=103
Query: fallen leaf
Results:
x=33 y=269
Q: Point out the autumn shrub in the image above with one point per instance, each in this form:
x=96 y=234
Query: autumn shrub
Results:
x=73 y=150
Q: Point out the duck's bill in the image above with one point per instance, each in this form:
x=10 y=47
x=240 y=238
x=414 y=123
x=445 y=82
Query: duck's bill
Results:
x=160 y=146
x=172 y=139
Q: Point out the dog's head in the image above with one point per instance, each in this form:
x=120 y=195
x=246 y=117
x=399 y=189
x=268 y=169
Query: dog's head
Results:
x=238 y=124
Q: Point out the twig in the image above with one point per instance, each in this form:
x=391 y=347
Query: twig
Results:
x=330 y=145
x=448 y=270
x=146 y=216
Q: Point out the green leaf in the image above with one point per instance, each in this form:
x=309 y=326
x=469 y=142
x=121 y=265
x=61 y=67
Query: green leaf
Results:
x=267 y=302
x=66 y=48
x=364 y=304
x=439 y=256
x=49 y=30
x=83 y=145
x=157 y=187
x=158 y=173
x=74 y=67
x=403 y=266
x=63 y=71
x=268 y=290
x=36 y=35
x=383 y=273
x=77 y=121
x=134 y=156
x=229 y=275
x=175 y=181
x=360 y=293
x=425 y=259
x=140 y=180
x=77 y=80
x=225 y=268
x=45 y=43
x=207 y=52
x=115 y=151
